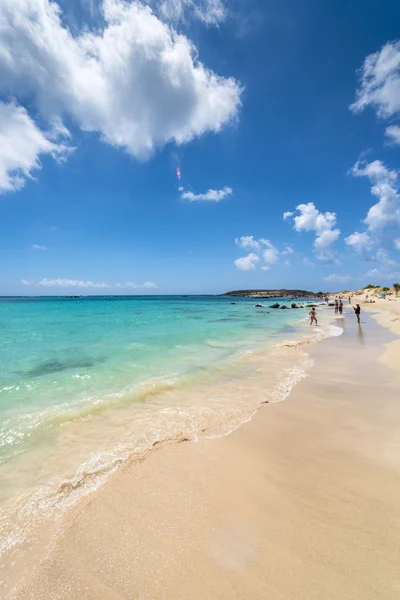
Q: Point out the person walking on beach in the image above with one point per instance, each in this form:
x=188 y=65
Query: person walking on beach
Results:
x=340 y=307
x=336 y=306
x=357 y=310
x=313 y=316
x=349 y=299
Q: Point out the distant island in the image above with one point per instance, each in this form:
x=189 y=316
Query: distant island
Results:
x=271 y=293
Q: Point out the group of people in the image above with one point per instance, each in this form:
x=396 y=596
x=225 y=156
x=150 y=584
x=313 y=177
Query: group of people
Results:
x=338 y=310
x=338 y=306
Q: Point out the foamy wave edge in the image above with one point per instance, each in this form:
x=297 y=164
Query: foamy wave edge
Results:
x=91 y=476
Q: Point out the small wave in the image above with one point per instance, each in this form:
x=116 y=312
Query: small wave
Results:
x=174 y=422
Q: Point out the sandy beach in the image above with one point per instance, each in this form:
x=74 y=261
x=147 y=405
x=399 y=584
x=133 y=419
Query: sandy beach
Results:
x=300 y=502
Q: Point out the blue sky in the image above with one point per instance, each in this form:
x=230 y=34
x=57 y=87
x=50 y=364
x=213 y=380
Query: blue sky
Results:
x=267 y=108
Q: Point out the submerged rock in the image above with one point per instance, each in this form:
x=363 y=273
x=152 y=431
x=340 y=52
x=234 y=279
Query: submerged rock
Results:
x=276 y=305
x=294 y=305
x=283 y=307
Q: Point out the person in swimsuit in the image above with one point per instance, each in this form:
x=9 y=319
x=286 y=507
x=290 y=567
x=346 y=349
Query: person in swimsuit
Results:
x=313 y=316
x=357 y=310
x=340 y=307
x=336 y=306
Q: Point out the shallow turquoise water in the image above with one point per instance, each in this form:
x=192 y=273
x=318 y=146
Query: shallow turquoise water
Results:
x=61 y=353
x=87 y=382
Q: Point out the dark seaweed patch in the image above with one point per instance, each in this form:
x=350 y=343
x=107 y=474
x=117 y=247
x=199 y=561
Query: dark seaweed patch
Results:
x=56 y=366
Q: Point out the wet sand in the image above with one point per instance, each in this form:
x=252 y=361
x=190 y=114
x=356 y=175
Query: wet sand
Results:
x=301 y=502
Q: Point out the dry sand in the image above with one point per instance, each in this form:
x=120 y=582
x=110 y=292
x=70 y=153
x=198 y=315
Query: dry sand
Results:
x=300 y=503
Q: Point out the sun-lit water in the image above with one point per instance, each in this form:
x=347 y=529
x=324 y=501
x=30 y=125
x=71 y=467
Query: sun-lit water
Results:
x=86 y=382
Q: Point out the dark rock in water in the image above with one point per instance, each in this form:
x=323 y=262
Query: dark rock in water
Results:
x=258 y=305
x=331 y=304
x=294 y=305
x=233 y=302
x=276 y=305
x=283 y=307
x=312 y=305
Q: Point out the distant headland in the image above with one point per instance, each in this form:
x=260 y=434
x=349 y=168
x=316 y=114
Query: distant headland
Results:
x=271 y=293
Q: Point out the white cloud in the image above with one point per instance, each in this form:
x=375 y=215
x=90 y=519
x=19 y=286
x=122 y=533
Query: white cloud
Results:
x=137 y=82
x=211 y=12
x=37 y=247
x=148 y=285
x=337 y=278
x=264 y=253
x=326 y=238
x=287 y=215
x=21 y=145
x=247 y=263
x=271 y=254
x=210 y=195
x=387 y=275
x=311 y=219
x=248 y=243
x=379 y=82
x=361 y=242
x=396 y=243
x=383 y=217
x=384 y=258
x=386 y=212
x=79 y=283
x=393 y=133
x=286 y=263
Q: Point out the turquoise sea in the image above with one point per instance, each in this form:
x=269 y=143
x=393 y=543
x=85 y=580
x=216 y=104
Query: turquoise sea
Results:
x=87 y=382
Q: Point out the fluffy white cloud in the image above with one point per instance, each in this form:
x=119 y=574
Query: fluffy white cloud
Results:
x=361 y=242
x=311 y=219
x=22 y=143
x=248 y=243
x=271 y=254
x=37 y=247
x=337 y=278
x=79 y=283
x=383 y=218
x=326 y=238
x=287 y=215
x=136 y=82
x=211 y=12
x=263 y=253
x=247 y=263
x=396 y=243
x=386 y=212
x=393 y=133
x=210 y=195
x=379 y=82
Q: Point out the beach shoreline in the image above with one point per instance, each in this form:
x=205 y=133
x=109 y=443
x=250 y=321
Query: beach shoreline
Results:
x=159 y=515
